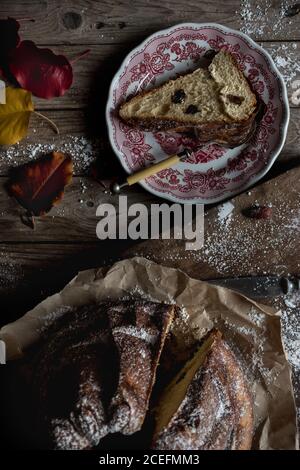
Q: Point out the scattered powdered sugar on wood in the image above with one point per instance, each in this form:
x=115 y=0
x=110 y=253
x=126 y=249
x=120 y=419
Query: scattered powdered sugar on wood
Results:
x=286 y=58
x=244 y=245
x=225 y=213
x=227 y=250
x=262 y=17
x=11 y=273
x=290 y=321
x=83 y=151
x=294 y=224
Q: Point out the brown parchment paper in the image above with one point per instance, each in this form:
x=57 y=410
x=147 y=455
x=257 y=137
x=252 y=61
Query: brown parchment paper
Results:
x=252 y=330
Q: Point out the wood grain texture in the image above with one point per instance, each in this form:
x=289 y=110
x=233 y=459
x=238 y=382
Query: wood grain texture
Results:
x=73 y=220
x=104 y=22
x=270 y=245
x=30 y=272
x=94 y=72
x=241 y=246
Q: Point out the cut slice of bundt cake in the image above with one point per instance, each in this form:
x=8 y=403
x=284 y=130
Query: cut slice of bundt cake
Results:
x=207 y=405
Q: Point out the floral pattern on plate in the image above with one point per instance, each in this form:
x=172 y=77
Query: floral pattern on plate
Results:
x=213 y=172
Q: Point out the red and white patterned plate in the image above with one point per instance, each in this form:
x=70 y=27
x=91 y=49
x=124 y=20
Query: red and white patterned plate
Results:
x=214 y=173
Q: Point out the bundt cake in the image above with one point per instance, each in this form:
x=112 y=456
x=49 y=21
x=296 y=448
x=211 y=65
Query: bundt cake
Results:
x=95 y=372
x=215 y=102
x=207 y=405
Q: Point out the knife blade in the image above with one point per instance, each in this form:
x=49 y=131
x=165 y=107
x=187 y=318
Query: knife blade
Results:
x=260 y=286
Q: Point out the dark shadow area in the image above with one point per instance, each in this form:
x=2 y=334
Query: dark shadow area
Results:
x=46 y=280
x=108 y=164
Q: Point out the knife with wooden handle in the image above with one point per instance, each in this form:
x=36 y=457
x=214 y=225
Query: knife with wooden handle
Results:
x=151 y=170
x=260 y=286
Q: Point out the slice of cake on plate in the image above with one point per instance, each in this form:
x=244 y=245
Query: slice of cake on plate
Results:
x=216 y=103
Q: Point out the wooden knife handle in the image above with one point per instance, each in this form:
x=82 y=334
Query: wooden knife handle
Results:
x=152 y=170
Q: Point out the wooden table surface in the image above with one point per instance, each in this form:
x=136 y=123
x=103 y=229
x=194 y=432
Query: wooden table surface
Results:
x=36 y=263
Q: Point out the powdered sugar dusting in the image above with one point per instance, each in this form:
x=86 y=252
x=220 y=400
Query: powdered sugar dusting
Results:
x=51 y=317
x=140 y=333
x=82 y=150
x=291 y=328
x=255 y=334
x=225 y=213
x=11 y=273
x=260 y=17
x=242 y=246
x=86 y=425
x=286 y=57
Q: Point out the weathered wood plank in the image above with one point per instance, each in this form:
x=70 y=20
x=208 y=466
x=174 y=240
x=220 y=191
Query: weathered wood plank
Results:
x=85 y=138
x=102 y=22
x=94 y=72
x=30 y=272
x=238 y=243
x=286 y=56
x=73 y=220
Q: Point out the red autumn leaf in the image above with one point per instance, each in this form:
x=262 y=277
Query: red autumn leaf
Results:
x=40 y=71
x=9 y=39
x=39 y=185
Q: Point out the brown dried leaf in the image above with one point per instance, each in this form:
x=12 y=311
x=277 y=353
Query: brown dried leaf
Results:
x=39 y=185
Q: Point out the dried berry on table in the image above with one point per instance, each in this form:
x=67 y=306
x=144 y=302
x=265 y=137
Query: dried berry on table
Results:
x=292 y=10
x=258 y=212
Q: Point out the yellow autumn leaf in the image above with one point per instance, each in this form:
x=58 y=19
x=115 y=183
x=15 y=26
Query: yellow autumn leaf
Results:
x=15 y=115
